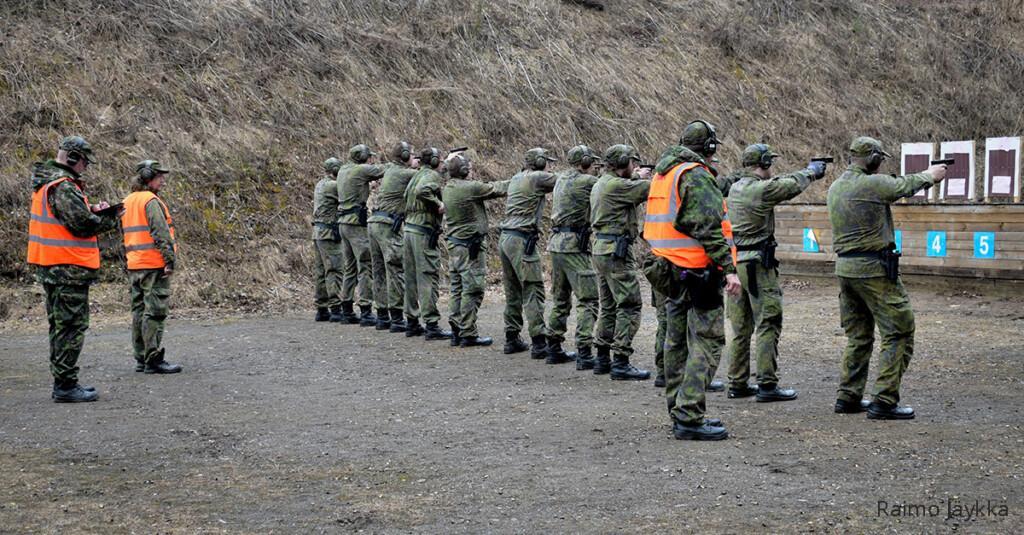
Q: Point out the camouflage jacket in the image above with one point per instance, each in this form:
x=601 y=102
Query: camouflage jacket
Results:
x=525 y=205
x=391 y=195
x=69 y=206
x=325 y=208
x=613 y=209
x=570 y=207
x=465 y=213
x=160 y=231
x=752 y=203
x=354 y=189
x=423 y=199
x=858 y=208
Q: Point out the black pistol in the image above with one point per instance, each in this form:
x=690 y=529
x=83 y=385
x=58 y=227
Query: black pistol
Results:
x=944 y=161
x=823 y=159
x=458 y=149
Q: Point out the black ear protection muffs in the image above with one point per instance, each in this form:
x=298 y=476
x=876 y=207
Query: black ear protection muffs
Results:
x=711 y=143
x=766 y=159
x=588 y=158
x=147 y=173
x=406 y=151
x=433 y=160
x=539 y=163
x=875 y=159
x=74 y=158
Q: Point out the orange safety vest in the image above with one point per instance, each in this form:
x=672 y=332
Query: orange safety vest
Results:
x=139 y=246
x=50 y=243
x=665 y=240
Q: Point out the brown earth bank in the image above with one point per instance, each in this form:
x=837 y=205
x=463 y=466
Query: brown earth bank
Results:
x=279 y=424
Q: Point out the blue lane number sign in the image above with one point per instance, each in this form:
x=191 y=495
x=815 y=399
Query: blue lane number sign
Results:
x=810 y=241
x=899 y=241
x=936 y=243
x=984 y=245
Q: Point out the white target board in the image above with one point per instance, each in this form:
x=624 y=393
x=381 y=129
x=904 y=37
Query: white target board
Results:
x=914 y=158
x=1002 y=168
x=959 y=182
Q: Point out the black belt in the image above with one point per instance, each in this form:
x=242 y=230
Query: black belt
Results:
x=862 y=254
x=386 y=214
x=607 y=236
x=466 y=243
x=350 y=211
x=574 y=230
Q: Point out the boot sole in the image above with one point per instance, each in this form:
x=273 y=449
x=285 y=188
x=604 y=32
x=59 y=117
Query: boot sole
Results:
x=770 y=400
x=384 y=328
x=476 y=345
x=66 y=400
x=741 y=395
x=876 y=416
x=701 y=437
x=147 y=372
x=621 y=378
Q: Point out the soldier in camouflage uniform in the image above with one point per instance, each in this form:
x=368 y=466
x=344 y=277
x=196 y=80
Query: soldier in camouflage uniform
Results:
x=571 y=269
x=613 y=217
x=758 y=307
x=520 y=260
x=424 y=211
x=870 y=291
x=150 y=277
x=466 y=216
x=327 y=257
x=658 y=301
x=386 y=237
x=695 y=327
x=64 y=206
x=353 y=215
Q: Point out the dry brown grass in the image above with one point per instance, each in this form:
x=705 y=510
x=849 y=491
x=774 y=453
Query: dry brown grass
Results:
x=244 y=98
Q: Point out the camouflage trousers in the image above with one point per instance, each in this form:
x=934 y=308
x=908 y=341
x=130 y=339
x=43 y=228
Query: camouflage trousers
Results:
x=358 y=268
x=67 y=310
x=327 y=266
x=573 y=273
x=621 y=304
x=693 y=347
x=468 y=282
x=658 y=302
x=524 y=285
x=422 y=266
x=151 y=295
x=863 y=304
x=386 y=255
x=758 y=314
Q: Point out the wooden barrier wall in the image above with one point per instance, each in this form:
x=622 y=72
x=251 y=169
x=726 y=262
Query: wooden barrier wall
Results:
x=963 y=227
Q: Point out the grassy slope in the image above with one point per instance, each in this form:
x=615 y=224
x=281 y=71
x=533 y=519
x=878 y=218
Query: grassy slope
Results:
x=245 y=98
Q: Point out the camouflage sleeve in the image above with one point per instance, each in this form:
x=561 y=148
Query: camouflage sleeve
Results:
x=375 y=172
x=637 y=191
x=701 y=216
x=785 y=187
x=725 y=182
x=429 y=191
x=545 y=181
x=70 y=207
x=492 y=190
x=896 y=187
x=160 y=231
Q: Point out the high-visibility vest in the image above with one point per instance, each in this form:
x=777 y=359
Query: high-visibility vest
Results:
x=50 y=243
x=665 y=240
x=139 y=246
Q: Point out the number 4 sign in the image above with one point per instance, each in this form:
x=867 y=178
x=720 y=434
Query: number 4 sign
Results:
x=984 y=245
x=810 y=241
x=936 y=243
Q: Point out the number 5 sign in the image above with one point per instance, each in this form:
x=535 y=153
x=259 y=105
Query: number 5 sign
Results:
x=984 y=245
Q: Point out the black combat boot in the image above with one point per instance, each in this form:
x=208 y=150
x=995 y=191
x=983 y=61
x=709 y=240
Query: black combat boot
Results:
x=413 y=328
x=742 y=391
x=622 y=370
x=716 y=386
x=139 y=366
x=603 y=361
x=513 y=343
x=473 y=341
x=72 y=392
x=584 y=360
x=456 y=339
x=383 y=319
x=348 y=315
x=659 y=381
x=159 y=365
x=557 y=355
x=336 y=315
x=87 y=388
x=704 y=431
x=366 y=317
x=879 y=410
x=851 y=407
x=397 y=321
x=434 y=332
x=769 y=393
x=322 y=314
x=538 y=347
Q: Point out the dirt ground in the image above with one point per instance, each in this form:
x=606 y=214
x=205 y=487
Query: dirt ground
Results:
x=283 y=425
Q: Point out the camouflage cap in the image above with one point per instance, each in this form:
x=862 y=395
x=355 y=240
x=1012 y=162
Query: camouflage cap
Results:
x=331 y=165
x=152 y=165
x=536 y=153
x=579 y=152
x=618 y=156
x=756 y=153
x=458 y=166
x=360 y=153
x=79 y=145
x=697 y=133
x=864 y=146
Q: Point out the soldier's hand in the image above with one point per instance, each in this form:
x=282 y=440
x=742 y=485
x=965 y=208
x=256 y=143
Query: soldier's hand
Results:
x=732 y=284
x=168 y=271
x=817 y=170
x=938 y=172
x=440 y=209
x=103 y=205
x=644 y=173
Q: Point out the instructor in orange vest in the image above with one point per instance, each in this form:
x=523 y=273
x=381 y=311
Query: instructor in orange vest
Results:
x=151 y=248
x=689 y=233
x=62 y=245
